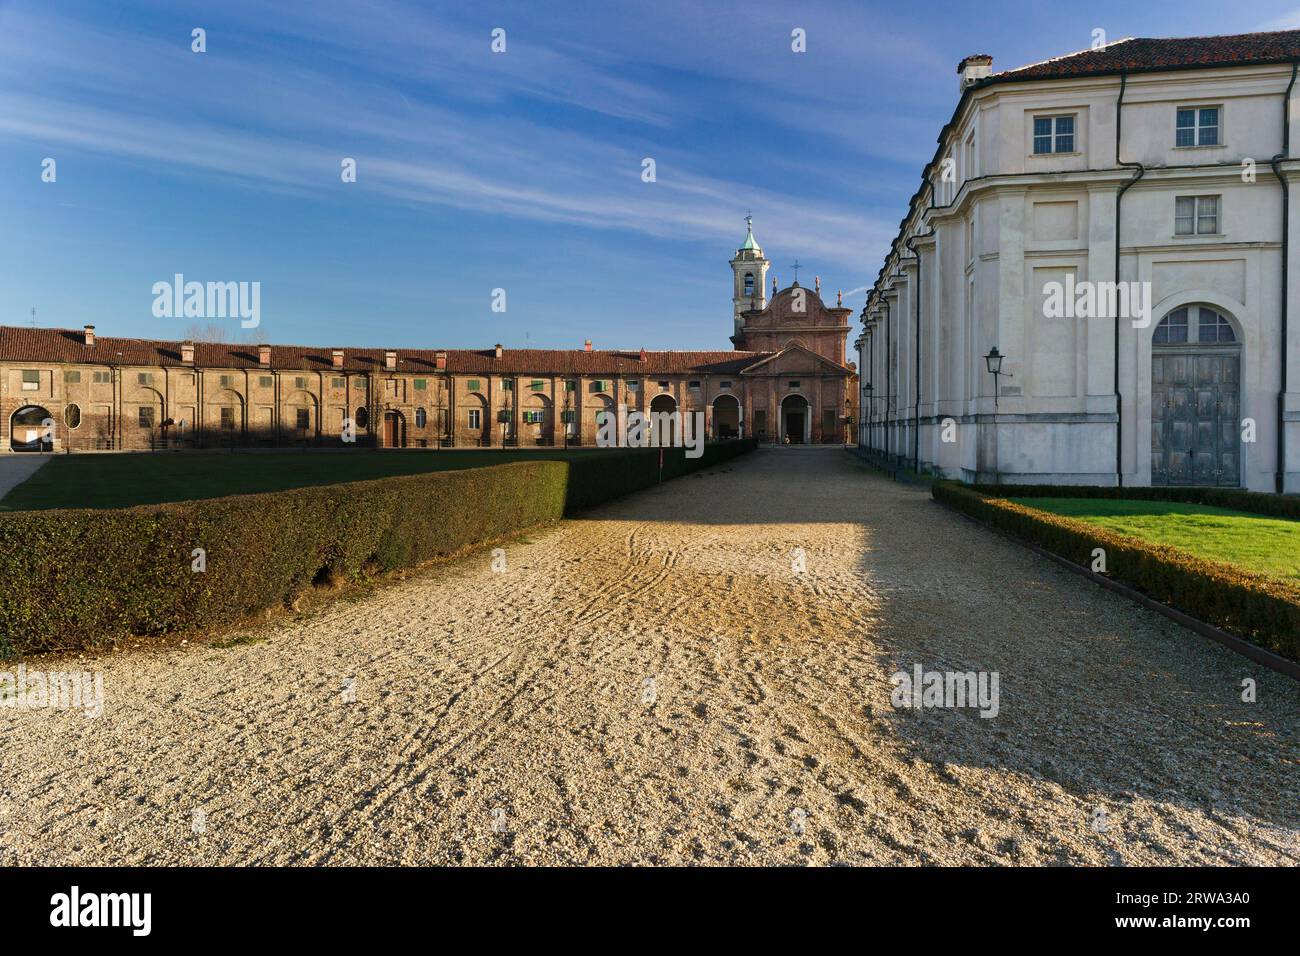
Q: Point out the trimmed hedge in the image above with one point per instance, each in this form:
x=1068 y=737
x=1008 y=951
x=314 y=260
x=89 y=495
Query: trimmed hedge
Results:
x=1253 y=606
x=72 y=579
x=1256 y=502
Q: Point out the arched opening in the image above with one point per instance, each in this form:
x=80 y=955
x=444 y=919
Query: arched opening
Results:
x=1195 y=398
x=536 y=421
x=795 y=420
x=394 y=429
x=749 y=283
x=665 y=428
x=473 y=424
x=726 y=417
x=31 y=428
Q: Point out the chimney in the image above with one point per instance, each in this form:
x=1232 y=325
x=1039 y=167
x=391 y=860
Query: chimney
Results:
x=975 y=68
x=390 y=360
x=264 y=356
x=642 y=354
x=586 y=346
x=440 y=361
x=336 y=358
x=187 y=353
x=498 y=349
x=90 y=335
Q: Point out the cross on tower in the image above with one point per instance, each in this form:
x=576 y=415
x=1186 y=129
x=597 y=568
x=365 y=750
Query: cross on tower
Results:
x=795 y=267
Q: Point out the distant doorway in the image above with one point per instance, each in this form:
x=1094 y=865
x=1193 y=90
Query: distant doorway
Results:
x=31 y=429
x=394 y=430
x=794 y=420
x=726 y=417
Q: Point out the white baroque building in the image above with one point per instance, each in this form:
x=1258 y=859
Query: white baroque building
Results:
x=1161 y=162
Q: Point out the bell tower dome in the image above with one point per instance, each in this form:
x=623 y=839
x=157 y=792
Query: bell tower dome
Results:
x=749 y=275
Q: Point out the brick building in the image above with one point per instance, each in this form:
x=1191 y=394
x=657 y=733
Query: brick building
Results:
x=73 y=390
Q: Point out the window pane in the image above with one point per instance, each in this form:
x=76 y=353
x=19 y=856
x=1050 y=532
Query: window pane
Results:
x=1186 y=118
x=1042 y=126
x=1042 y=144
x=1064 y=124
x=1065 y=144
x=1185 y=137
x=1209 y=136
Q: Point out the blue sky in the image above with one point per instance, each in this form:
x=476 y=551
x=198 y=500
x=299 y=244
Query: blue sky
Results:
x=477 y=171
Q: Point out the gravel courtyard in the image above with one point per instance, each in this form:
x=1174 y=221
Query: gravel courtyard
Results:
x=657 y=683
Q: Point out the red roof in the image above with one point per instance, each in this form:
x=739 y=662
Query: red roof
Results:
x=19 y=344
x=1144 y=54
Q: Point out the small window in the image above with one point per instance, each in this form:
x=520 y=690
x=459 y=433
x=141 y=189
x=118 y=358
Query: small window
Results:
x=1172 y=329
x=749 y=283
x=145 y=416
x=303 y=417
x=421 y=418
x=475 y=418
x=473 y=385
x=534 y=418
x=72 y=378
x=101 y=378
x=72 y=416
x=265 y=381
x=508 y=384
x=144 y=378
x=421 y=384
x=695 y=383
x=1197 y=126
x=537 y=385
x=1053 y=134
x=663 y=384
x=600 y=385
x=228 y=419
x=568 y=416
x=570 y=385
x=337 y=382
x=1196 y=215
x=362 y=418
x=227 y=381
x=300 y=382
x=725 y=384
x=31 y=380
x=632 y=384
x=794 y=383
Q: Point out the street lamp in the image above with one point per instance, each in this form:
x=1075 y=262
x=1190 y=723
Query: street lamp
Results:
x=993 y=361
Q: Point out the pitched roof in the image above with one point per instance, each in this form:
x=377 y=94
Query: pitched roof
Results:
x=1146 y=54
x=19 y=344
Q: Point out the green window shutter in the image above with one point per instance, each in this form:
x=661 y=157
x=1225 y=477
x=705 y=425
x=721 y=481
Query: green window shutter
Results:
x=421 y=384
x=473 y=384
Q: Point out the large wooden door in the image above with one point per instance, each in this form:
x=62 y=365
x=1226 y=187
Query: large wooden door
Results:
x=1195 y=414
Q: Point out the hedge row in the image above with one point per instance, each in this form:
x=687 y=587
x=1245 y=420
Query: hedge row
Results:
x=1252 y=606
x=1275 y=506
x=72 y=579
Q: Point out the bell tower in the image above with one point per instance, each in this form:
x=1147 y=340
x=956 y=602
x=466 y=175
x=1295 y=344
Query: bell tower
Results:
x=749 y=272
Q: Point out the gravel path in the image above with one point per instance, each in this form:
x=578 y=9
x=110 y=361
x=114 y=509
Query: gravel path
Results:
x=655 y=683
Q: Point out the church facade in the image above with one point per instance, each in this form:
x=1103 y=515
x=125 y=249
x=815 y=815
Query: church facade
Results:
x=73 y=390
x=1092 y=283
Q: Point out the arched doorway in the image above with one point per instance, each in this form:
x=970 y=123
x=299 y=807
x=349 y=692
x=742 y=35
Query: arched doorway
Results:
x=394 y=429
x=726 y=417
x=664 y=431
x=538 y=423
x=796 y=423
x=1195 y=399
x=31 y=428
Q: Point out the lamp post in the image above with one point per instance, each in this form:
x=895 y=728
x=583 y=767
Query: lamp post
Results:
x=993 y=362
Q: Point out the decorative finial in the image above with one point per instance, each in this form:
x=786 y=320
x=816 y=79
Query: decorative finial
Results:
x=817 y=284
x=839 y=297
x=795 y=267
x=774 y=284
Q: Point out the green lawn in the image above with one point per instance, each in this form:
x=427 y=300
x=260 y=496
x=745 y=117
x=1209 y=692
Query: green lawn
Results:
x=117 y=481
x=1250 y=541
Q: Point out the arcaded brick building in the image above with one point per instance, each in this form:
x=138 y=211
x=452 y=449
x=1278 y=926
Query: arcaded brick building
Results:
x=73 y=390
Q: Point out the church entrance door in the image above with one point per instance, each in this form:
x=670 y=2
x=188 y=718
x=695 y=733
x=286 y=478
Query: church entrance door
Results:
x=794 y=420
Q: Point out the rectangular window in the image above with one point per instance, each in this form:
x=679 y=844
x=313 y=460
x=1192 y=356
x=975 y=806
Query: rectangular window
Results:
x=338 y=383
x=1053 y=134
x=303 y=418
x=1197 y=126
x=725 y=384
x=475 y=418
x=533 y=418
x=266 y=381
x=227 y=381
x=101 y=378
x=473 y=385
x=632 y=384
x=72 y=378
x=695 y=383
x=421 y=384
x=145 y=378
x=663 y=383
x=228 y=419
x=31 y=380
x=1196 y=215
x=508 y=384
x=568 y=417
x=570 y=385
x=794 y=383
x=537 y=385
x=300 y=382
x=601 y=385
x=145 y=416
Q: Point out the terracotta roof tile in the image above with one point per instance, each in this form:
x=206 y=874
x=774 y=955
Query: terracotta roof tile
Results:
x=19 y=344
x=1144 y=54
